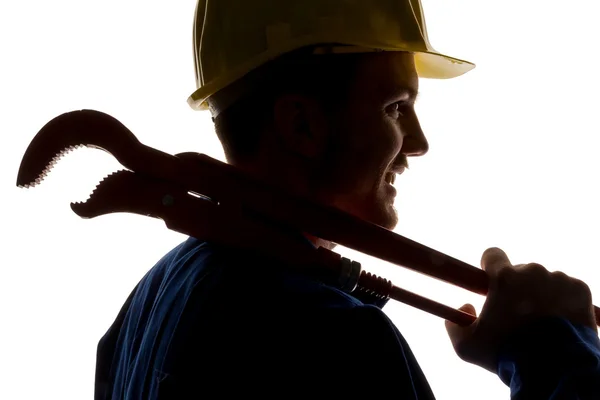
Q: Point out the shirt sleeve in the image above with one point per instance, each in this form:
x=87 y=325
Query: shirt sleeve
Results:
x=552 y=359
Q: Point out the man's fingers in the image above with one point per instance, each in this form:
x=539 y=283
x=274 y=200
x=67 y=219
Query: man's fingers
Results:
x=493 y=260
x=468 y=308
x=459 y=333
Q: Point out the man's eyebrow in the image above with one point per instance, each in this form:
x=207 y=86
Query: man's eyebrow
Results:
x=409 y=93
x=413 y=94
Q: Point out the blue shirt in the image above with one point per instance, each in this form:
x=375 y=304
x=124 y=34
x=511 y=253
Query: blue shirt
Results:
x=210 y=321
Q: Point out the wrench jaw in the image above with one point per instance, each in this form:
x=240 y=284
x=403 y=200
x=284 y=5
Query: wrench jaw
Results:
x=69 y=131
x=124 y=192
x=111 y=195
x=129 y=192
x=29 y=175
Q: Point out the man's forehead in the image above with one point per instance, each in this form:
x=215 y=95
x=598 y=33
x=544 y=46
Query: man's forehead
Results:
x=391 y=74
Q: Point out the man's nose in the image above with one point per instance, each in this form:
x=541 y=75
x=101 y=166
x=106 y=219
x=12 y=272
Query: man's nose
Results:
x=415 y=143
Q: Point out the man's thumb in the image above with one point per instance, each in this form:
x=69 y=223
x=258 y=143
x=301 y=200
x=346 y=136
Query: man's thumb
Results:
x=493 y=260
x=456 y=332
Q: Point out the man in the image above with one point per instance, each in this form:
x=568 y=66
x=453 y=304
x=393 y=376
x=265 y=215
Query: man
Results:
x=317 y=97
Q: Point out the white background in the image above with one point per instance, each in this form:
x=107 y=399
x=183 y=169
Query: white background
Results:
x=513 y=163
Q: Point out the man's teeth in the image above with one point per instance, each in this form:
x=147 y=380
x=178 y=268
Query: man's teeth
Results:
x=390 y=178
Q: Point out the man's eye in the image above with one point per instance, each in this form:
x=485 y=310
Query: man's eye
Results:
x=396 y=108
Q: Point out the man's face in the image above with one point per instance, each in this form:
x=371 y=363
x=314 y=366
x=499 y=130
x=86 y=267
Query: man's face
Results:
x=375 y=132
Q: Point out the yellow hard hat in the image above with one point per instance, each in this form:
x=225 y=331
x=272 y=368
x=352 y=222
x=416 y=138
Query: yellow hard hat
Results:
x=234 y=37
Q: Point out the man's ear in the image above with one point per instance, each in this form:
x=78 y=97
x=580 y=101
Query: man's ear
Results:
x=300 y=125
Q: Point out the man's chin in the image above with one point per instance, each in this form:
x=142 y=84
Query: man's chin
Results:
x=379 y=213
x=384 y=216
x=390 y=222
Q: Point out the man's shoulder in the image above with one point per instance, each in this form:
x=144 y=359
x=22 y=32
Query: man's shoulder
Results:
x=213 y=270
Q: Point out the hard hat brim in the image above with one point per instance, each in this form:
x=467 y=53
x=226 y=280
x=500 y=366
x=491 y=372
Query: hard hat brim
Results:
x=428 y=64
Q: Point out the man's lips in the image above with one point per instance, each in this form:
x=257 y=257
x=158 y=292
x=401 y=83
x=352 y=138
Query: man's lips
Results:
x=390 y=177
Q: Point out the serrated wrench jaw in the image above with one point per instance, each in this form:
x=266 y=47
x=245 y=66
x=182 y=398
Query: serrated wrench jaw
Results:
x=69 y=131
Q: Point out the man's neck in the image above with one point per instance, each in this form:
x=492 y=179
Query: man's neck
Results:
x=266 y=174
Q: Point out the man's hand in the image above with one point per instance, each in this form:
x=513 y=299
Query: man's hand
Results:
x=517 y=294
